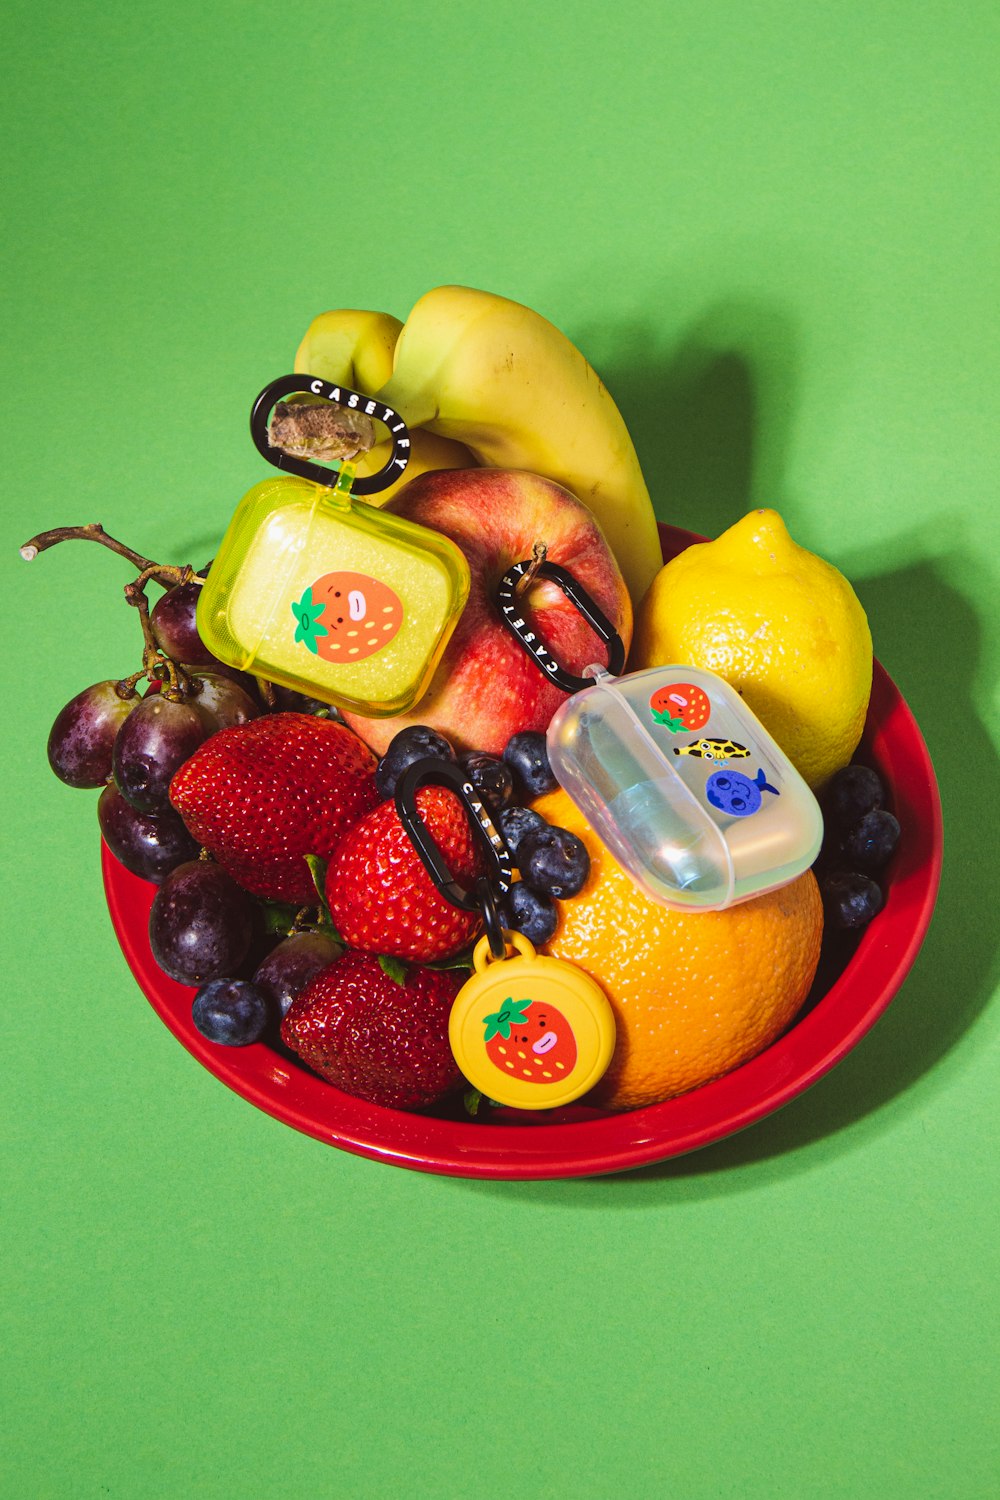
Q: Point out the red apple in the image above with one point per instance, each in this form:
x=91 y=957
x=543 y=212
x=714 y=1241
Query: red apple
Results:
x=486 y=687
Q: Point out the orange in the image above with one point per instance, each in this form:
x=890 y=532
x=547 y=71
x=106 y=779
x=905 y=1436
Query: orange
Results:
x=694 y=993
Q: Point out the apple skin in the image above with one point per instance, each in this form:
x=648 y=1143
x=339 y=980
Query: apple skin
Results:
x=486 y=687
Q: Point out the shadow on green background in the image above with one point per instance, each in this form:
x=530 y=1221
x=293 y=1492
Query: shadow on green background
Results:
x=710 y=424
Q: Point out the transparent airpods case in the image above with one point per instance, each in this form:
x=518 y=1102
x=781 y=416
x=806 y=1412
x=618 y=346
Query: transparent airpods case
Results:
x=685 y=786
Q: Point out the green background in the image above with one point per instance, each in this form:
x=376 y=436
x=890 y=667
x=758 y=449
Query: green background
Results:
x=773 y=229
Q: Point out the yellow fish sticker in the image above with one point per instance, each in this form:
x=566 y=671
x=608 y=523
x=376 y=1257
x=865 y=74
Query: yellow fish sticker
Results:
x=721 y=752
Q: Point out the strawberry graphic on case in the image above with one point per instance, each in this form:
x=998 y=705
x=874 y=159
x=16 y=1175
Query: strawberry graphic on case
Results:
x=345 y=617
x=530 y=1040
x=680 y=706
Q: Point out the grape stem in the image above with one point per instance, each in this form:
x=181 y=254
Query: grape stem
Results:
x=153 y=659
x=167 y=574
x=155 y=663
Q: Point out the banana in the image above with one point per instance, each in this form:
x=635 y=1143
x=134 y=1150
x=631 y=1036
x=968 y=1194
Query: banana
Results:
x=480 y=370
x=355 y=348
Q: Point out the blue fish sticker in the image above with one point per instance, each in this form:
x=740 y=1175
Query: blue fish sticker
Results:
x=732 y=792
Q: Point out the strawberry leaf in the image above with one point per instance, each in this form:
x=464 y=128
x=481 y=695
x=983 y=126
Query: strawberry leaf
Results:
x=317 y=869
x=472 y=1099
x=278 y=917
x=511 y=1013
x=395 y=968
x=461 y=960
x=668 y=721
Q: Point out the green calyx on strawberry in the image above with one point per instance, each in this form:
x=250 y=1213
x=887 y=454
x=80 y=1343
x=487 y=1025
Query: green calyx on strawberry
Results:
x=381 y=898
x=261 y=796
x=669 y=722
x=500 y=1022
x=373 y=1037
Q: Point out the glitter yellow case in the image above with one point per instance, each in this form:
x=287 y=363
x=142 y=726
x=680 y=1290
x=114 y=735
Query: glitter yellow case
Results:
x=315 y=589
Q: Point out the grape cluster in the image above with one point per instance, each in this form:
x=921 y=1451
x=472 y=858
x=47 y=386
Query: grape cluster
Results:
x=204 y=929
x=861 y=836
x=553 y=863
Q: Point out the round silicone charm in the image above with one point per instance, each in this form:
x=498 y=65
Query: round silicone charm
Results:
x=530 y=1030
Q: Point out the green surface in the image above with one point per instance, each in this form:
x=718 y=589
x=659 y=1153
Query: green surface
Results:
x=773 y=229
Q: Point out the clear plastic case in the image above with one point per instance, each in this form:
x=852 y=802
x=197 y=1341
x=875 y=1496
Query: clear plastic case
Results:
x=684 y=785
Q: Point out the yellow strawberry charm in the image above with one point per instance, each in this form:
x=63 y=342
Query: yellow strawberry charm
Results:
x=530 y=1030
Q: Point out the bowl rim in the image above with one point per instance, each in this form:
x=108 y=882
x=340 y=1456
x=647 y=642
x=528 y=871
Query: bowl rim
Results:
x=595 y=1143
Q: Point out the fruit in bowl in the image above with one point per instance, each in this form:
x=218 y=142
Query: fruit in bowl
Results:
x=339 y=924
x=860 y=971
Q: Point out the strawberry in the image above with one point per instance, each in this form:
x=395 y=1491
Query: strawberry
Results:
x=262 y=795
x=373 y=1037
x=381 y=898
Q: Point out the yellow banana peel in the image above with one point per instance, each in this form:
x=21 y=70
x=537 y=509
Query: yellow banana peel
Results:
x=352 y=347
x=480 y=370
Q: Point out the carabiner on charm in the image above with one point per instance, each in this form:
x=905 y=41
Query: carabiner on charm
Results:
x=340 y=395
x=495 y=934
x=490 y=887
x=513 y=619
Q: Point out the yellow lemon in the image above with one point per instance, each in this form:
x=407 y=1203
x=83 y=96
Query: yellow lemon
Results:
x=781 y=625
x=694 y=993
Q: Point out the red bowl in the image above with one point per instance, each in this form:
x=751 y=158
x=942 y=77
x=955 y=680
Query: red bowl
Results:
x=579 y=1141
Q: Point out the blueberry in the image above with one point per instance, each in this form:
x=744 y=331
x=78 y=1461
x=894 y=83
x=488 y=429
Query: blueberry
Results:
x=409 y=745
x=514 y=822
x=528 y=758
x=232 y=1012
x=851 y=793
x=850 y=899
x=554 y=862
x=492 y=780
x=871 y=843
x=527 y=911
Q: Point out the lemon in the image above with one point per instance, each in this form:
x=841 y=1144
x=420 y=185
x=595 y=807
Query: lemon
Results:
x=780 y=624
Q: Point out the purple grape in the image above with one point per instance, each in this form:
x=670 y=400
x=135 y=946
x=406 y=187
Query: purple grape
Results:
x=220 y=702
x=173 y=620
x=231 y=1012
x=153 y=744
x=221 y=669
x=201 y=923
x=148 y=844
x=288 y=701
x=289 y=967
x=82 y=739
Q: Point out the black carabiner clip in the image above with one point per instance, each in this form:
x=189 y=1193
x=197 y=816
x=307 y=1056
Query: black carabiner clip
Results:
x=536 y=648
x=490 y=887
x=340 y=395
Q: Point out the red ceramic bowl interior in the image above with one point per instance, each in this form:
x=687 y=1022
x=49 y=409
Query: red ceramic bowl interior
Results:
x=581 y=1141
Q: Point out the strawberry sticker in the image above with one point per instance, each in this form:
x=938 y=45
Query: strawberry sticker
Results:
x=530 y=1040
x=345 y=617
x=680 y=706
